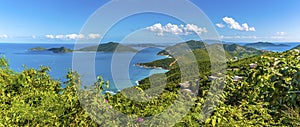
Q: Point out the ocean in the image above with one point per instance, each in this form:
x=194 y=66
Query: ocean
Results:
x=289 y=45
x=19 y=57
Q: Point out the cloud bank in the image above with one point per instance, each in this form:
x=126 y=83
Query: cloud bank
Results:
x=187 y=29
x=73 y=36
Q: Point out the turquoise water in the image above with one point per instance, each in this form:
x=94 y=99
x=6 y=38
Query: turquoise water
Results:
x=19 y=55
x=289 y=45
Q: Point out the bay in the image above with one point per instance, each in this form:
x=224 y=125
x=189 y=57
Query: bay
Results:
x=18 y=56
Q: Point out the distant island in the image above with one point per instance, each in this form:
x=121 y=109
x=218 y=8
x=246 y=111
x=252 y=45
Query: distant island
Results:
x=54 y=50
x=107 y=47
x=264 y=44
x=146 y=45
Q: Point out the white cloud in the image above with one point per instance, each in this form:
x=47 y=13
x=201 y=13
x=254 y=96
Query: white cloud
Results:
x=236 y=26
x=239 y=37
x=3 y=36
x=50 y=36
x=94 y=36
x=280 y=33
x=188 y=29
x=220 y=25
x=73 y=36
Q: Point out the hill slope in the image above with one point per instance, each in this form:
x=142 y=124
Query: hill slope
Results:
x=201 y=54
x=109 y=47
x=297 y=47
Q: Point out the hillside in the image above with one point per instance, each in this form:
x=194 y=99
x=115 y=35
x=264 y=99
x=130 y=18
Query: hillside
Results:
x=199 y=51
x=234 y=49
x=109 y=47
x=239 y=51
x=259 y=91
x=297 y=47
x=192 y=44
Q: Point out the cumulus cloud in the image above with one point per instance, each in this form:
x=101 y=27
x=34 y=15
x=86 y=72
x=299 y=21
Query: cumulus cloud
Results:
x=239 y=37
x=187 y=29
x=3 y=36
x=232 y=24
x=73 y=36
x=280 y=33
x=220 y=25
x=50 y=36
x=94 y=36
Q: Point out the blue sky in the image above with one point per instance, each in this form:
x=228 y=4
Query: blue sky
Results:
x=62 y=20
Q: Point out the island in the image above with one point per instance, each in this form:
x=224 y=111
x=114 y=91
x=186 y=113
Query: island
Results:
x=264 y=44
x=146 y=45
x=54 y=50
x=109 y=47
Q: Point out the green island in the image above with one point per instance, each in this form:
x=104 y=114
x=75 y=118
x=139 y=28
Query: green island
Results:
x=107 y=47
x=264 y=44
x=260 y=89
x=54 y=50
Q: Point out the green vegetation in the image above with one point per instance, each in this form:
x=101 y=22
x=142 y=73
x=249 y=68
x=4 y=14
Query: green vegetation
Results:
x=145 y=45
x=266 y=95
x=32 y=98
x=60 y=50
x=199 y=50
x=54 y=50
x=109 y=47
x=38 y=49
x=263 y=44
x=180 y=46
x=297 y=47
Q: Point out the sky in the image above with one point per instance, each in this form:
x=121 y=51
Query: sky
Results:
x=57 y=21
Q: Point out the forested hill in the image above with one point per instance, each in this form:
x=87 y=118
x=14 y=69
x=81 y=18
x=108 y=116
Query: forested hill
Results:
x=259 y=91
x=234 y=50
x=201 y=54
x=264 y=44
x=109 y=47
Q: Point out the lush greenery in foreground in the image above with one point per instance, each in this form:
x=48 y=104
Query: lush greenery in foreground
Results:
x=267 y=95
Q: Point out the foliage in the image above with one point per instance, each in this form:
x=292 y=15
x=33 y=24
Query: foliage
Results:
x=267 y=95
x=32 y=98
